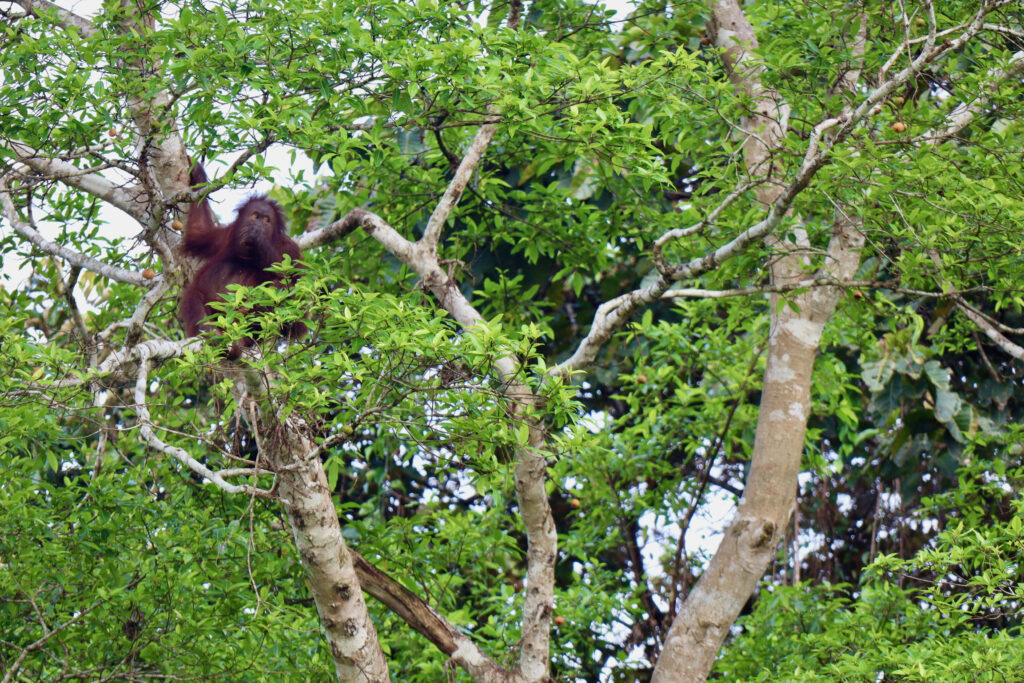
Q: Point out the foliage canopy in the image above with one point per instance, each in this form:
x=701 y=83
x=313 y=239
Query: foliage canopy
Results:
x=547 y=366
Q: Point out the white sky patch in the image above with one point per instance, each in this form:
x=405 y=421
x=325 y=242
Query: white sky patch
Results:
x=660 y=533
x=596 y=421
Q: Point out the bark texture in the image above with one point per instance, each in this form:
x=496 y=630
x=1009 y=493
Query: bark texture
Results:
x=303 y=490
x=703 y=622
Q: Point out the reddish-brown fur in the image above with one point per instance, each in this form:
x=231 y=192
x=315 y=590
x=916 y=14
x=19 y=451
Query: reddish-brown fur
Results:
x=237 y=254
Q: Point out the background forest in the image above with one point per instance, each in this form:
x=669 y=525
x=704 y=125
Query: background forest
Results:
x=658 y=342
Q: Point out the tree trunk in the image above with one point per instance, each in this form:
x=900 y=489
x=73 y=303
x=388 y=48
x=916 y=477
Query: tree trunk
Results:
x=303 y=490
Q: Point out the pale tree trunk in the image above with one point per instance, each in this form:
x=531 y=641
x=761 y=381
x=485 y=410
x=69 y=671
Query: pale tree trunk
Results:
x=303 y=490
x=768 y=500
x=731 y=576
x=750 y=542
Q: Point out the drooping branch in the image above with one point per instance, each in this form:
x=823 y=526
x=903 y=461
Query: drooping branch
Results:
x=142 y=354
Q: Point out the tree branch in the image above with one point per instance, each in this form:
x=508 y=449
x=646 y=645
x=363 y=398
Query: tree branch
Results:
x=128 y=200
x=990 y=329
x=823 y=280
x=457 y=185
x=424 y=620
x=138 y=318
x=12 y=670
x=531 y=465
x=73 y=257
x=142 y=353
x=611 y=315
x=64 y=17
x=966 y=112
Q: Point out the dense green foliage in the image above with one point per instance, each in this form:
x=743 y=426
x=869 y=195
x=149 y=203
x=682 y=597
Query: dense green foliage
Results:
x=950 y=613
x=614 y=128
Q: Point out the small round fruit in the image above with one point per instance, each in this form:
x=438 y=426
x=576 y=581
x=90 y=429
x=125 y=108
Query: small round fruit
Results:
x=149 y=273
x=899 y=126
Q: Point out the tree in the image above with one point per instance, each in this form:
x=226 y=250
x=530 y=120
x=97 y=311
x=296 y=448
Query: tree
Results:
x=574 y=278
